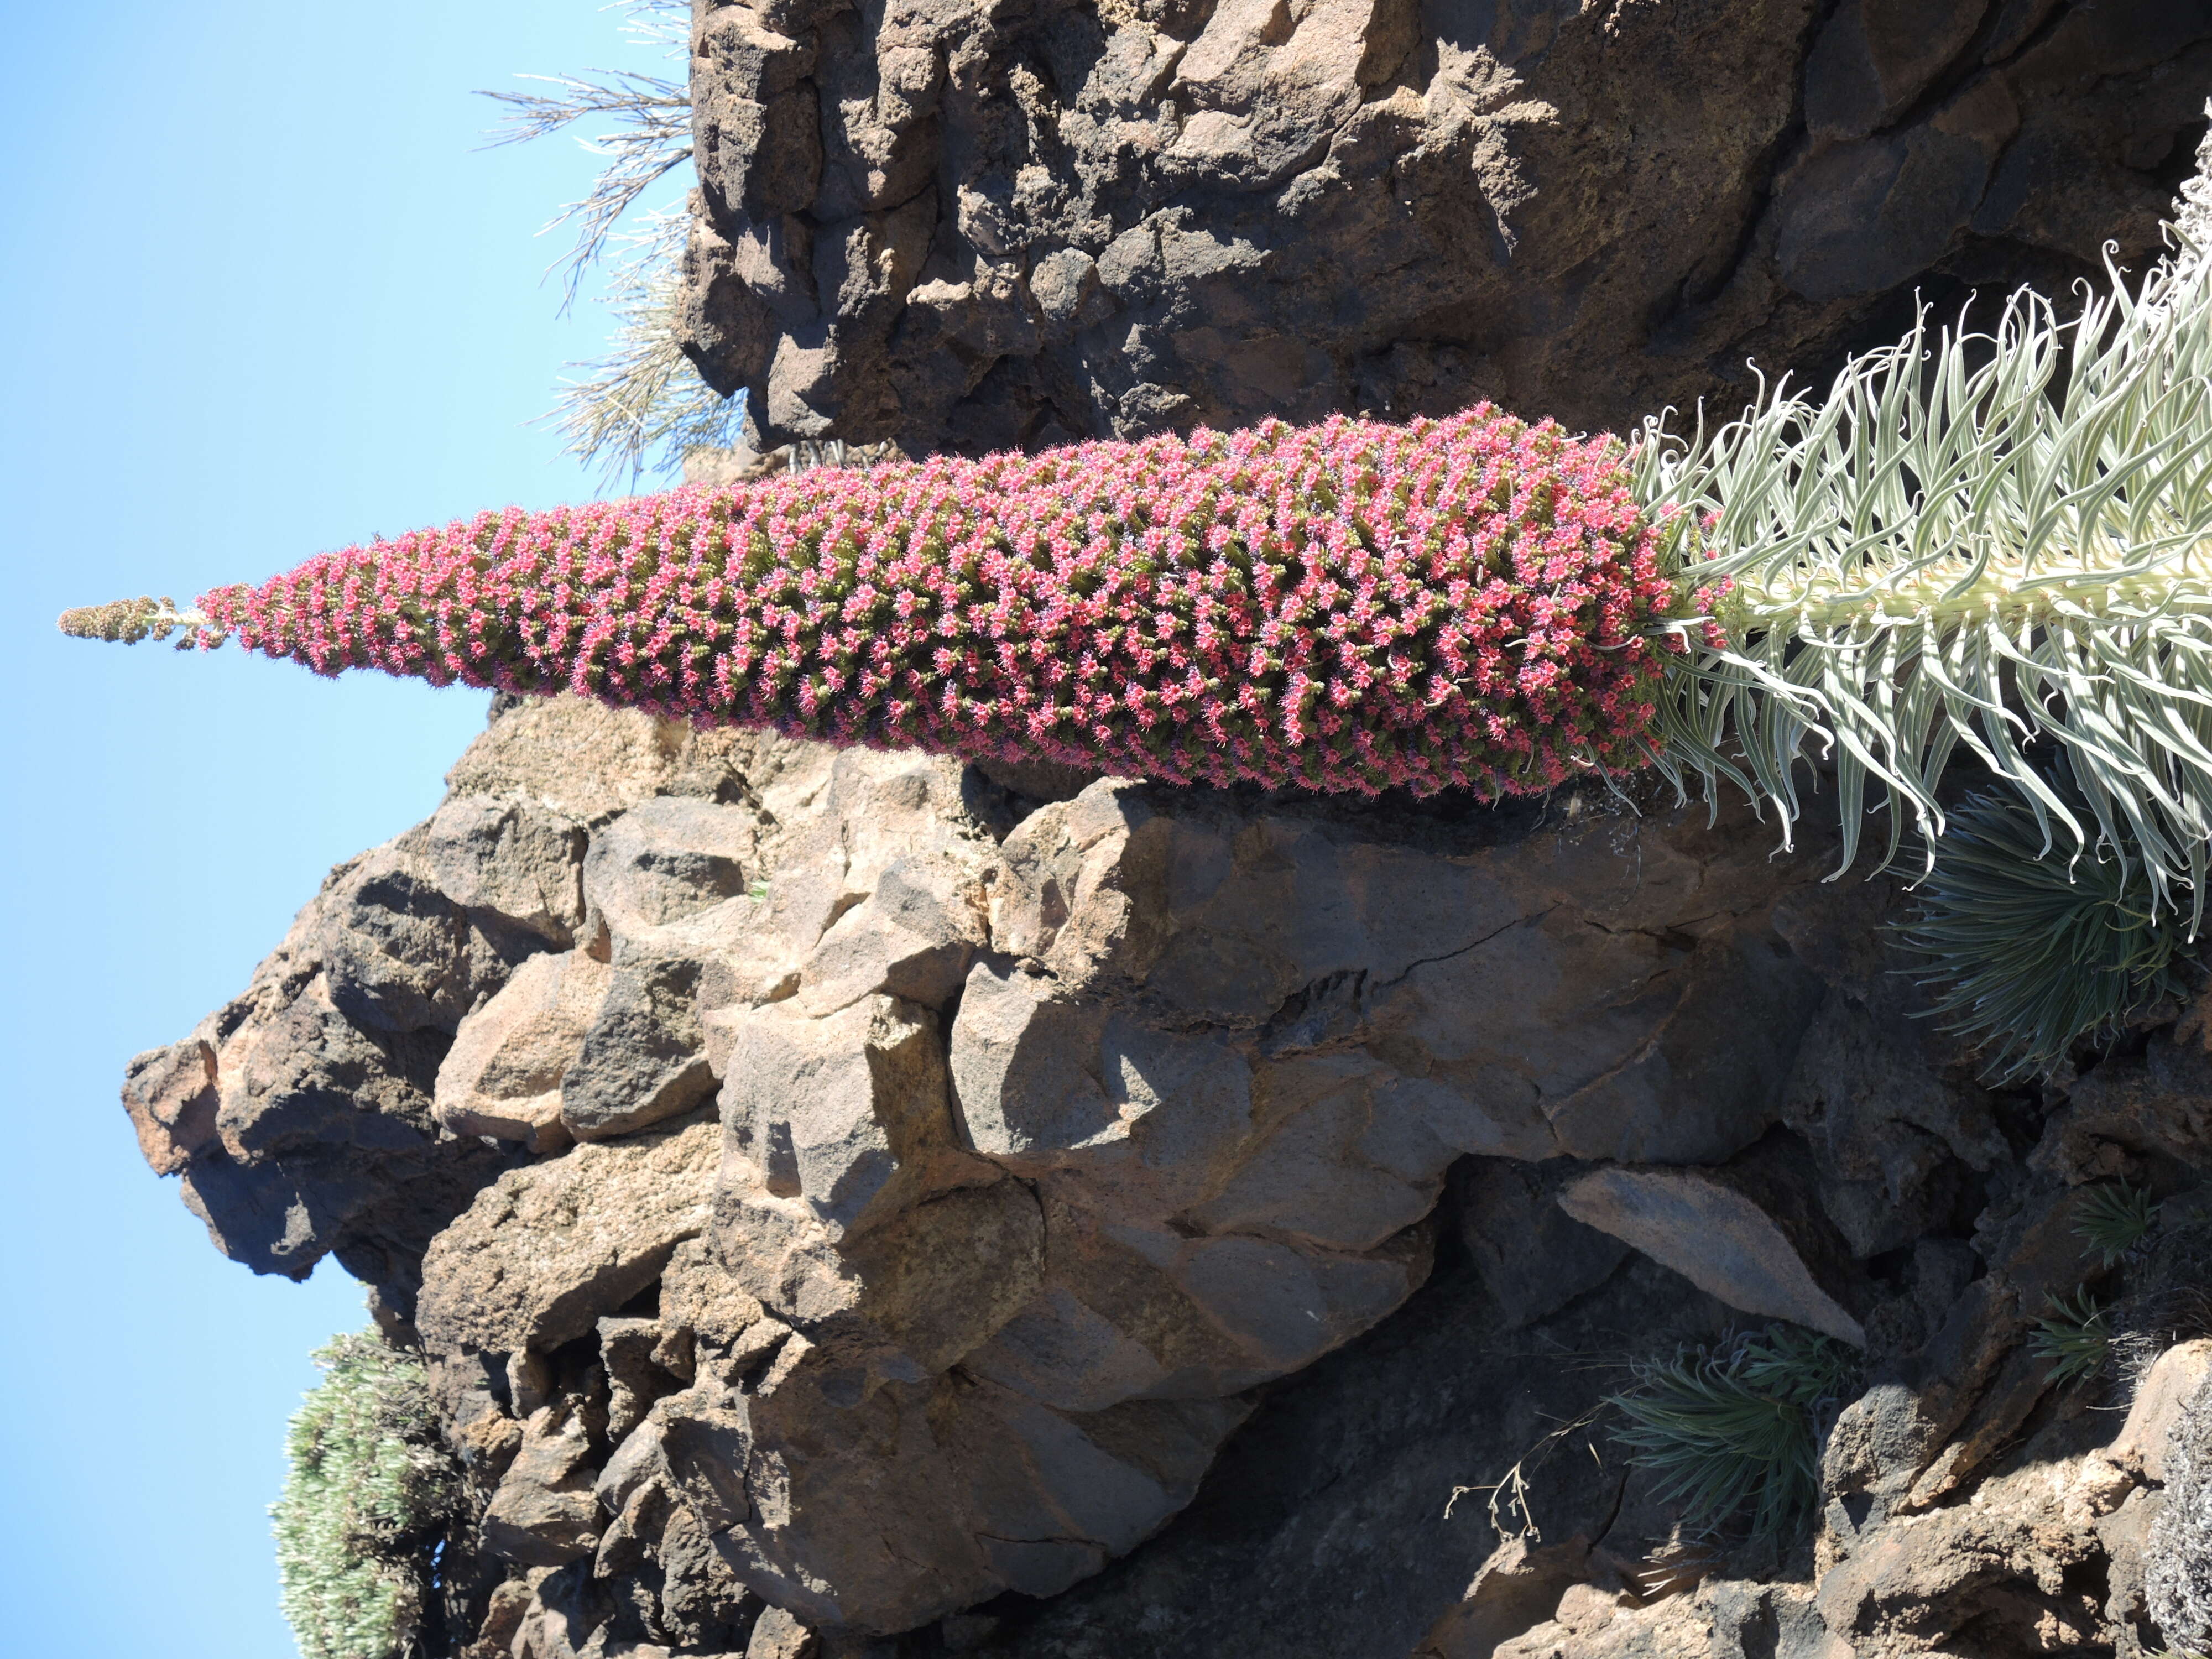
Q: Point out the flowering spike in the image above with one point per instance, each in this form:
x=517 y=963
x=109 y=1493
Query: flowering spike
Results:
x=1349 y=606
x=126 y=622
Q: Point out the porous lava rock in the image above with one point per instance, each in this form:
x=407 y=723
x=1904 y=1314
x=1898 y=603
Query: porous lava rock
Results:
x=966 y=226
x=1030 y=1135
x=1007 y=1208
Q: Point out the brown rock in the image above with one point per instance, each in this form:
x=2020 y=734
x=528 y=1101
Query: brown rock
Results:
x=881 y=893
x=1719 y=1617
x=1518 y=1587
x=544 y=1513
x=1881 y=1094
x=170 y=1095
x=583 y=760
x=2161 y=1397
x=846 y=1113
x=718 y=467
x=545 y=1252
x=973 y=229
x=1531 y=1256
x=700 y=1296
x=663 y=861
x=2160 y=1103
x=1057 y=1116
x=1873 y=57
x=503 y=1616
x=399 y=954
x=642 y=1060
x=513 y=858
x=2006 y=1565
x=502 y=1076
x=637 y=1358
x=323 y=1136
x=779 y=1635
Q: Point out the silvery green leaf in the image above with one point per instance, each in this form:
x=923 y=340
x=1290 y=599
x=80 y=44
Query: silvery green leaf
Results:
x=1977 y=544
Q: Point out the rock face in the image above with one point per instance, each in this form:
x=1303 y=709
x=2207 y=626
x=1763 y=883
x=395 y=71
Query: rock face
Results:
x=848 y=1195
x=970 y=226
x=1045 y=1131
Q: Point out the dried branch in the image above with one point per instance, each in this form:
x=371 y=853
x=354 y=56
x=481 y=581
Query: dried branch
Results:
x=644 y=394
x=651 y=135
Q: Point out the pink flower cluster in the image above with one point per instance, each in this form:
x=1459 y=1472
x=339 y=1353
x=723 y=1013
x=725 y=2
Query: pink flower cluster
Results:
x=1347 y=606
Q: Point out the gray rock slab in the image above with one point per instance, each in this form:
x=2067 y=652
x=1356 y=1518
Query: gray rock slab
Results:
x=502 y=1076
x=1716 y=1238
x=1219 y=213
x=643 y=1057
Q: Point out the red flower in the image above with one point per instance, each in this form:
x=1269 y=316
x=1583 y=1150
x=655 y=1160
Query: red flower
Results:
x=1346 y=606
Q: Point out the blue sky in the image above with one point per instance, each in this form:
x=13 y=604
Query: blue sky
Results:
x=265 y=296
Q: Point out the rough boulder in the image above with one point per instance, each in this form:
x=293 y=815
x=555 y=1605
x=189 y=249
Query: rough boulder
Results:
x=974 y=227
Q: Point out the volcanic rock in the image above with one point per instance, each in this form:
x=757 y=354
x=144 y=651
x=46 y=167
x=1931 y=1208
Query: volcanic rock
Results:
x=970 y=226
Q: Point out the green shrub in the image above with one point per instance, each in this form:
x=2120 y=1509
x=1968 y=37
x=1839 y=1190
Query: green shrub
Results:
x=2111 y=1218
x=366 y=1500
x=1734 y=1429
x=2074 y=1337
x=2040 y=948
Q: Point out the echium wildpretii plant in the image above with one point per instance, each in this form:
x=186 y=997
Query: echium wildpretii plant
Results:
x=368 y=1497
x=1984 y=547
x=1463 y=603
x=2003 y=540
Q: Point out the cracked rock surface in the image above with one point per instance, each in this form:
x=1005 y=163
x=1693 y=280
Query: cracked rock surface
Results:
x=973 y=226
x=895 y=1184
x=852 y=1199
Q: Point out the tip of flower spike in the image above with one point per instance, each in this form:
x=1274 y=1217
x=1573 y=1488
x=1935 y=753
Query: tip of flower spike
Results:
x=126 y=622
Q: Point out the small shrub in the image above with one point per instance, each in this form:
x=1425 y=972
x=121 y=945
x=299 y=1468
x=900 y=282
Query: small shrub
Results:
x=2034 y=950
x=642 y=405
x=1735 y=1429
x=2074 y=1337
x=367 y=1499
x=2112 y=1218
x=649 y=121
